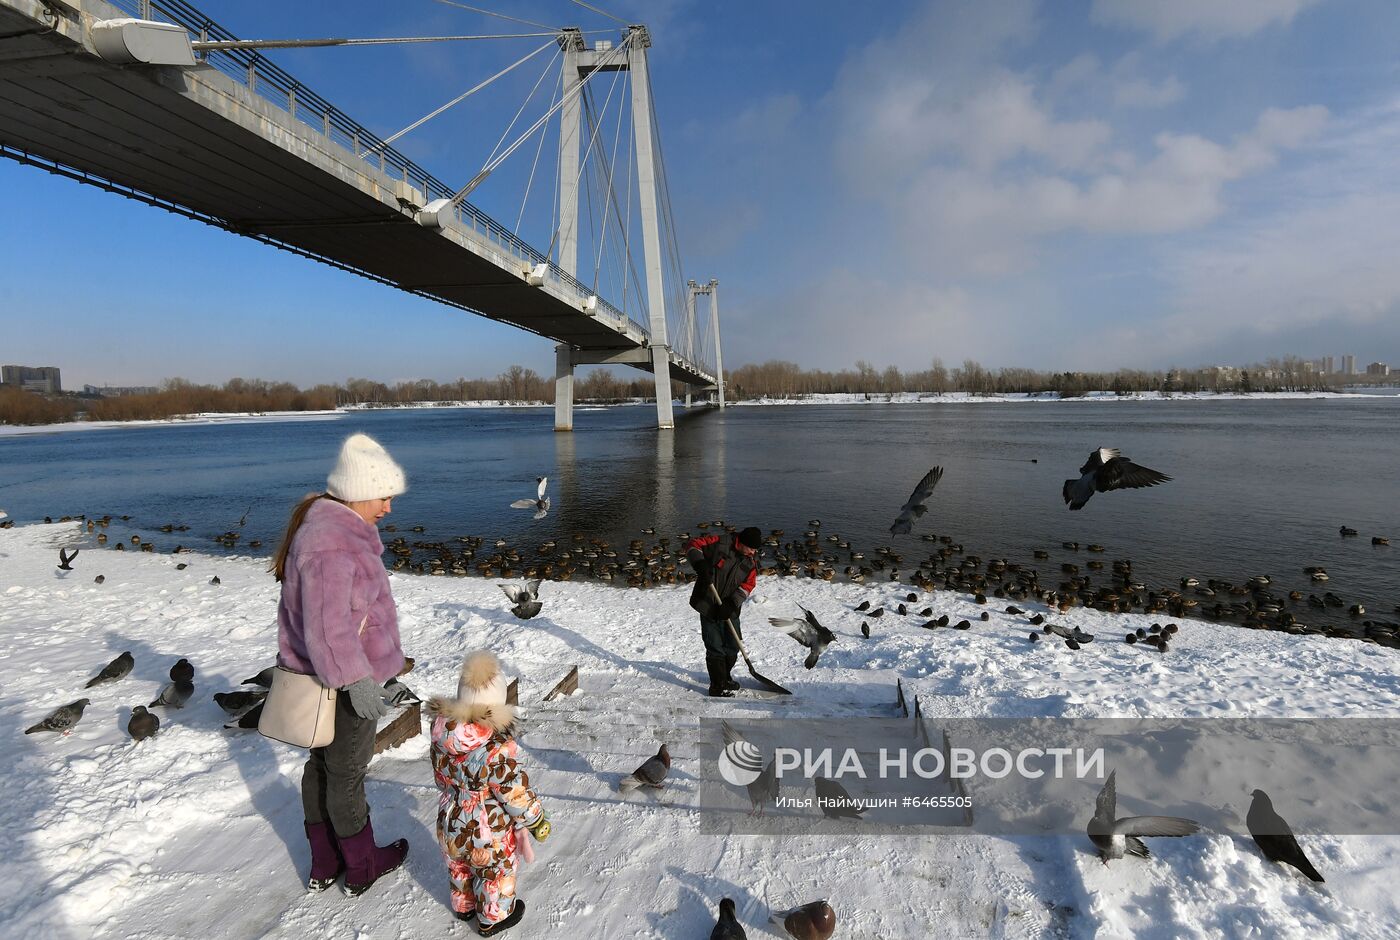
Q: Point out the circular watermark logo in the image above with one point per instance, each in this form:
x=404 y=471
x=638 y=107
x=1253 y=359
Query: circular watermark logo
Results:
x=740 y=763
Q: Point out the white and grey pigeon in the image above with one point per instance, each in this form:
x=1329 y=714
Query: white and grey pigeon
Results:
x=914 y=506
x=808 y=631
x=525 y=598
x=1107 y=469
x=396 y=693
x=62 y=718
x=237 y=704
x=540 y=504
x=1115 y=837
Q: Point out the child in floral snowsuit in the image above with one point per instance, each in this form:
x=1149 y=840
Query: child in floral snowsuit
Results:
x=485 y=803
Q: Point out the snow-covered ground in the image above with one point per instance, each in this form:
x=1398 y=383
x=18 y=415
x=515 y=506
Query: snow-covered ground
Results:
x=197 y=832
x=7 y=430
x=965 y=398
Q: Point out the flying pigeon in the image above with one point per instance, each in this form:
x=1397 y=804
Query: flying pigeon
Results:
x=813 y=921
x=118 y=668
x=829 y=791
x=914 y=506
x=65 y=559
x=540 y=504
x=396 y=694
x=1115 y=837
x=1106 y=469
x=1071 y=634
x=62 y=718
x=174 y=695
x=808 y=631
x=525 y=598
x=143 y=724
x=182 y=671
x=263 y=678
x=727 y=927
x=238 y=704
x=650 y=774
x=1275 y=839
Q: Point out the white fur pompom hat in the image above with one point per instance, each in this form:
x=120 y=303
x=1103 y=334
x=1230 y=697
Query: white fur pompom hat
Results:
x=364 y=471
x=481 y=694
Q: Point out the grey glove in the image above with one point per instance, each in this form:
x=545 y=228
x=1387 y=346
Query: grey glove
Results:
x=366 y=698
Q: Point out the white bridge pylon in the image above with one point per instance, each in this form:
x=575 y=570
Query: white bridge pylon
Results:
x=579 y=62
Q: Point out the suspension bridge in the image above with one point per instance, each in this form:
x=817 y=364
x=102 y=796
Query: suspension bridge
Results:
x=153 y=100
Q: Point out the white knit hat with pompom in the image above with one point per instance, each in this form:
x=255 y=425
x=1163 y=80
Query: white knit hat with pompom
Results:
x=481 y=682
x=365 y=471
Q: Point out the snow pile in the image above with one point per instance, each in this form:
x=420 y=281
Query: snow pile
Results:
x=197 y=832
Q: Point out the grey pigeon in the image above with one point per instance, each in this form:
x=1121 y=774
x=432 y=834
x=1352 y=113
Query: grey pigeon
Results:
x=182 y=671
x=1106 y=469
x=833 y=793
x=174 y=695
x=118 y=668
x=650 y=774
x=865 y=629
x=1274 y=837
x=807 y=631
x=763 y=792
x=1115 y=837
x=397 y=693
x=65 y=559
x=525 y=598
x=1070 y=634
x=236 y=704
x=540 y=504
x=914 y=506
x=248 y=719
x=727 y=927
x=263 y=678
x=813 y=921
x=143 y=724
x=62 y=718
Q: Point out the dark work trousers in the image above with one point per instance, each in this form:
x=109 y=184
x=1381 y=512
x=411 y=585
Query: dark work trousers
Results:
x=333 y=781
x=718 y=640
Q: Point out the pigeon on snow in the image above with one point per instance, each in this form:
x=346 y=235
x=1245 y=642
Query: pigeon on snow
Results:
x=1115 y=837
x=263 y=678
x=182 y=671
x=763 y=792
x=914 y=506
x=832 y=792
x=813 y=921
x=650 y=774
x=1274 y=836
x=174 y=695
x=143 y=724
x=807 y=631
x=62 y=718
x=540 y=504
x=118 y=668
x=525 y=598
x=728 y=926
x=237 y=704
x=1106 y=469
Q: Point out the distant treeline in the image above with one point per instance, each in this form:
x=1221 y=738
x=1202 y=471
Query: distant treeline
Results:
x=778 y=379
x=773 y=379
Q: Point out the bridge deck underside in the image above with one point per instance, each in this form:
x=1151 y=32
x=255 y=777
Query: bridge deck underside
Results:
x=140 y=128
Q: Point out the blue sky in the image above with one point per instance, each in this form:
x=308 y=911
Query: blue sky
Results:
x=1076 y=184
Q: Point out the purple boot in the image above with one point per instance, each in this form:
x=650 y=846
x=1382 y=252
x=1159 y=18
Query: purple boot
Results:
x=365 y=861
x=326 y=863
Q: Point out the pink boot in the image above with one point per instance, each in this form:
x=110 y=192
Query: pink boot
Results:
x=365 y=862
x=326 y=863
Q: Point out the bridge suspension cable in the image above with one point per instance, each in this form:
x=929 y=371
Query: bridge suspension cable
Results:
x=504 y=16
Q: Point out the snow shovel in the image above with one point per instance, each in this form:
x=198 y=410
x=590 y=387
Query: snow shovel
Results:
x=763 y=680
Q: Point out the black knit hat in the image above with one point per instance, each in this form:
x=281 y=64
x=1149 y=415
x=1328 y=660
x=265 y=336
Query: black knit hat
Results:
x=751 y=537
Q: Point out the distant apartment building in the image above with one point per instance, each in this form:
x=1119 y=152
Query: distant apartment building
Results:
x=1327 y=365
x=1378 y=369
x=119 y=391
x=1348 y=365
x=44 y=379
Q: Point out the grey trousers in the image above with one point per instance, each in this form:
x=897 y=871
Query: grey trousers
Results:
x=333 y=781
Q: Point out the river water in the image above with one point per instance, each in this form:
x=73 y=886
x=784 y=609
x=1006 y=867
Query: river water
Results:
x=1259 y=486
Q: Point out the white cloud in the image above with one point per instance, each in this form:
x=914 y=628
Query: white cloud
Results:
x=1209 y=19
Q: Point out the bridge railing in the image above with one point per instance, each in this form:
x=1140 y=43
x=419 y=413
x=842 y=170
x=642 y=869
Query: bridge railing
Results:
x=275 y=85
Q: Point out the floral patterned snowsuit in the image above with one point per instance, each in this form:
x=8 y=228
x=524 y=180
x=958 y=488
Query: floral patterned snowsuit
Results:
x=485 y=803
